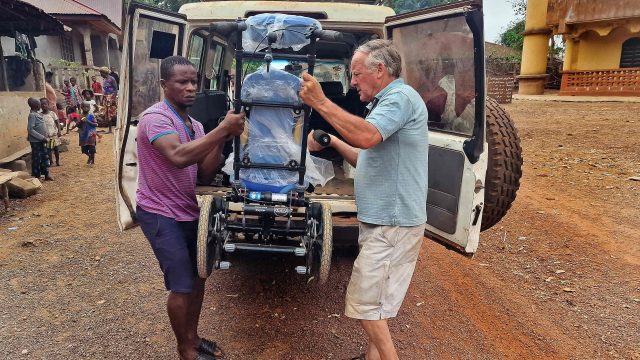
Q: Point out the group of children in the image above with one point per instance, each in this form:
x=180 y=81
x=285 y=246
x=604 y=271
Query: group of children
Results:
x=45 y=129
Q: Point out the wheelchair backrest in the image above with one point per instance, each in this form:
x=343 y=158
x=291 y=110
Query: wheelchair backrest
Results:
x=270 y=129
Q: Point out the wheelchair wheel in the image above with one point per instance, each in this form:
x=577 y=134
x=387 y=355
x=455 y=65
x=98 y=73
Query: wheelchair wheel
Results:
x=322 y=242
x=210 y=234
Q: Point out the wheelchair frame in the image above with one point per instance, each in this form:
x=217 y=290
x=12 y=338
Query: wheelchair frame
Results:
x=263 y=221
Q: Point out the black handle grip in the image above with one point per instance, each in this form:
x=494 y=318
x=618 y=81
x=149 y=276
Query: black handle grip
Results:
x=328 y=35
x=227 y=27
x=321 y=137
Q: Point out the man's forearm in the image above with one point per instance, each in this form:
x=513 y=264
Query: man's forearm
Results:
x=195 y=151
x=354 y=129
x=348 y=152
x=210 y=165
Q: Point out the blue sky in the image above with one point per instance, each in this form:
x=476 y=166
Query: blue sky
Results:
x=497 y=16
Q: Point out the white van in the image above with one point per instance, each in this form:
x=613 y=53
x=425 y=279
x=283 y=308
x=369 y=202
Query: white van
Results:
x=474 y=152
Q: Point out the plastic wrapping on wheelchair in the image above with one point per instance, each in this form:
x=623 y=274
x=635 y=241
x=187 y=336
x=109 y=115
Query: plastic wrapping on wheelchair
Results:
x=290 y=30
x=270 y=137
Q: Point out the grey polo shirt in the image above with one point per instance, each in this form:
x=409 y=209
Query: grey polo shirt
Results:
x=391 y=177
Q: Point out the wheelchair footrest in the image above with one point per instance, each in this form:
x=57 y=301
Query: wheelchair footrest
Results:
x=296 y=250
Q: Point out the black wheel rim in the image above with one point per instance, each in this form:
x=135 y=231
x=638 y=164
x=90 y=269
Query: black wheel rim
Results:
x=215 y=236
x=315 y=244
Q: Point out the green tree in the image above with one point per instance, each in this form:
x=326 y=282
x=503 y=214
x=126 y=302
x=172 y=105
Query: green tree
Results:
x=512 y=36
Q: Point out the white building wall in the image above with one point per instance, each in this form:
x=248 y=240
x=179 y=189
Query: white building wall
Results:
x=49 y=48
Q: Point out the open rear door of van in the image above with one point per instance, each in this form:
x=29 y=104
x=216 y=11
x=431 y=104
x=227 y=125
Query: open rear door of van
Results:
x=151 y=35
x=442 y=52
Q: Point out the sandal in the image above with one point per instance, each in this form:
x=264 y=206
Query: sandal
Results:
x=202 y=356
x=362 y=356
x=211 y=348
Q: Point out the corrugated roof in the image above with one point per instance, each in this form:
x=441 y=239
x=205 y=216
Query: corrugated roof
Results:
x=66 y=7
x=111 y=8
x=16 y=15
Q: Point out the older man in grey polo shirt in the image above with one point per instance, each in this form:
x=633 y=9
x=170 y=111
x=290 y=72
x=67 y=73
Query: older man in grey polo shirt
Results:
x=389 y=150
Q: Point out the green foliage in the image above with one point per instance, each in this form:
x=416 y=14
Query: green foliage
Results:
x=403 y=6
x=250 y=66
x=62 y=63
x=512 y=36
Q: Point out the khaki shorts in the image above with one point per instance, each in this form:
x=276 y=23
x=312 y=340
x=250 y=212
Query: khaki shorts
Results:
x=382 y=272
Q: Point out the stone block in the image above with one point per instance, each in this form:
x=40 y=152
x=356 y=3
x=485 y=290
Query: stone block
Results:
x=3 y=170
x=20 y=188
x=35 y=182
x=23 y=175
x=17 y=165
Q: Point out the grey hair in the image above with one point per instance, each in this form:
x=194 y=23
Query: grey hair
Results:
x=382 y=52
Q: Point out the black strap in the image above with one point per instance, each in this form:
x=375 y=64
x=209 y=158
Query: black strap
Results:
x=374 y=103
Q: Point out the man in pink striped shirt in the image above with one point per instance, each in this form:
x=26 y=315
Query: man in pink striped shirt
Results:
x=173 y=154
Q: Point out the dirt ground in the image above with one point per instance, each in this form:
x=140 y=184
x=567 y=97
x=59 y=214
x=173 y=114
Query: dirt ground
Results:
x=557 y=278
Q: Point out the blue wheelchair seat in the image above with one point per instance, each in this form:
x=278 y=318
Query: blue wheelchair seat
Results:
x=271 y=129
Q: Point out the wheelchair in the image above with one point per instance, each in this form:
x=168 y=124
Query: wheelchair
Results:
x=266 y=209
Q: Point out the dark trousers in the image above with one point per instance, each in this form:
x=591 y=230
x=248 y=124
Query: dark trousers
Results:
x=39 y=160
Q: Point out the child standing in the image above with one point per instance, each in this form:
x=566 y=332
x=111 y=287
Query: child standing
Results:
x=62 y=115
x=37 y=136
x=87 y=95
x=87 y=133
x=72 y=93
x=66 y=91
x=52 y=131
x=96 y=86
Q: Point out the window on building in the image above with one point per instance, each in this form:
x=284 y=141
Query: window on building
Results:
x=66 y=48
x=630 y=57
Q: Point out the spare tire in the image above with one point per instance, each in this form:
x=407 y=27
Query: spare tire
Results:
x=504 y=167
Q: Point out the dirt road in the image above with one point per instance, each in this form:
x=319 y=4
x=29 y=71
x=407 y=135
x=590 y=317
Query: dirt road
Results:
x=559 y=277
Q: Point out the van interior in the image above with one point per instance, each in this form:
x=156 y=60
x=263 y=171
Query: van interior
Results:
x=213 y=55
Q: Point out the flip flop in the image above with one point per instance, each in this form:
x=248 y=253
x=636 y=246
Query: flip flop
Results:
x=202 y=356
x=210 y=348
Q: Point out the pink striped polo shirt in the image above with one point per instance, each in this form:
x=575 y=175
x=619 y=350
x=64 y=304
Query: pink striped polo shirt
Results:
x=163 y=188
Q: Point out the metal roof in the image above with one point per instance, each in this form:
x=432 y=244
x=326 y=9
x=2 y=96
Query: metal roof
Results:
x=17 y=15
x=66 y=7
x=111 y=8
x=73 y=13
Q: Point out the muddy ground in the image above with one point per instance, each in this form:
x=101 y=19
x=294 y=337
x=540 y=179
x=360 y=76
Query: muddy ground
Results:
x=558 y=277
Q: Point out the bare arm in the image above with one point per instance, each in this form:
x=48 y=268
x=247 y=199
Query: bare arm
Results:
x=348 y=152
x=209 y=166
x=192 y=152
x=354 y=129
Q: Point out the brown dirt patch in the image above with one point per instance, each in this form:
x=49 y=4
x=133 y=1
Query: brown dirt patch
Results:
x=76 y=287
